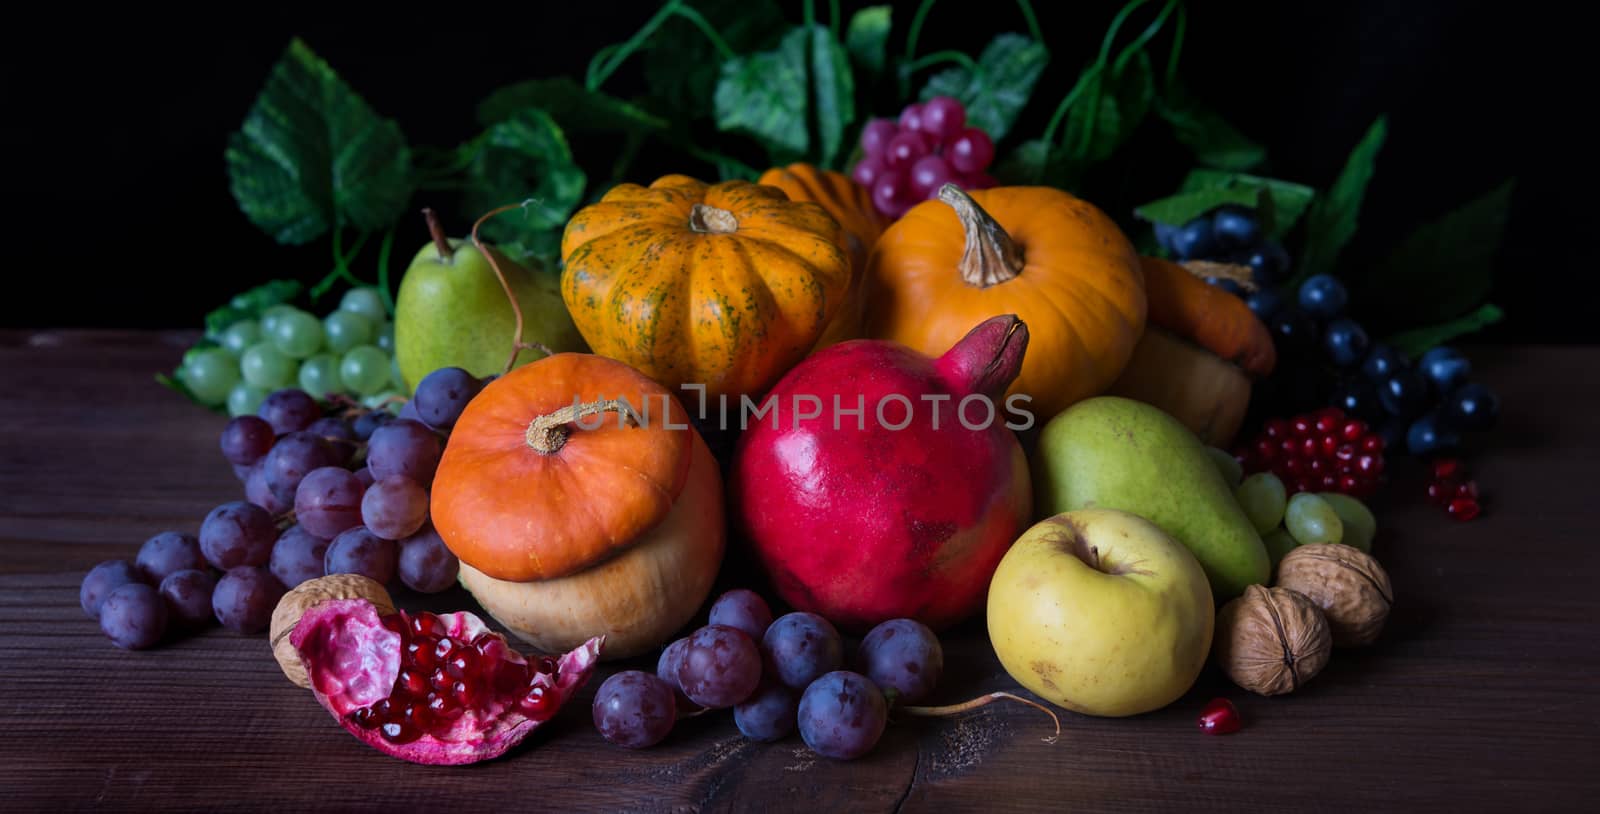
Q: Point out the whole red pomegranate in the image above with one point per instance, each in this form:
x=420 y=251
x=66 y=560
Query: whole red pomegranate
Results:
x=903 y=510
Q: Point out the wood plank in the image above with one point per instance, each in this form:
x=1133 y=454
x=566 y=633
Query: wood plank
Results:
x=1479 y=695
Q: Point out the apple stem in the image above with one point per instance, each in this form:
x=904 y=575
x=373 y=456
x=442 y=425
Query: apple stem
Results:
x=517 y=345
x=441 y=243
x=982 y=701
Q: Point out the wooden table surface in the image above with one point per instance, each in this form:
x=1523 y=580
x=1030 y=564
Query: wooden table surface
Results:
x=1481 y=694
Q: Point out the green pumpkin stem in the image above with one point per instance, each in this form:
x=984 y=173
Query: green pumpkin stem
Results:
x=991 y=256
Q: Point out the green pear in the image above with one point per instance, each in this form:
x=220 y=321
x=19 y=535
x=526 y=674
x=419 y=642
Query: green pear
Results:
x=453 y=312
x=1117 y=453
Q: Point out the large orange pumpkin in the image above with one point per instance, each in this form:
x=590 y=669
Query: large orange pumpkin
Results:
x=1052 y=259
x=726 y=285
x=851 y=205
x=581 y=503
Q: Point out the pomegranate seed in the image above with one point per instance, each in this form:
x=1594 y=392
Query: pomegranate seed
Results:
x=1467 y=490
x=547 y=665
x=1328 y=423
x=1309 y=448
x=1345 y=452
x=1304 y=485
x=1372 y=444
x=461 y=663
x=1369 y=464
x=1315 y=466
x=1330 y=412
x=412 y=683
x=534 y=701
x=1289 y=447
x=1330 y=445
x=1294 y=466
x=1277 y=428
x=1301 y=426
x=394 y=622
x=1330 y=483
x=1464 y=508
x=366 y=718
x=443 y=707
x=466 y=693
x=440 y=680
x=1220 y=717
x=1448 y=469
x=1348 y=484
x=1353 y=430
x=1441 y=491
x=444 y=648
x=424 y=624
x=397 y=732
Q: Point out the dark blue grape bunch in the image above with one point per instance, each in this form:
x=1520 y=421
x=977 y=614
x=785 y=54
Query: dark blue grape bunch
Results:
x=1423 y=407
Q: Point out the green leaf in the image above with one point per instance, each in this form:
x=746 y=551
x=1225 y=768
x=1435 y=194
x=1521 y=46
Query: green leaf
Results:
x=574 y=107
x=681 y=68
x=1332 y=220
x=1282 y=206
x=1214 y=141
x=1032 y=163
x=866 y=38
x=524 y=158
x=312 y=155
x=764 y=95
x=835 y=90
x=1008 y=68
x=1186 y=206
x=1414 y=342
x=1445 y=266
x=1124 y=101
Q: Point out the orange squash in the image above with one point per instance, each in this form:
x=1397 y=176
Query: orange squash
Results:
x=1052 y=259
x=725 y=285
x=581 y=503
x=851 y=205
x=1199 y=353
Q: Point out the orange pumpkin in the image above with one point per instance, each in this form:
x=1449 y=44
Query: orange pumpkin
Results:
x=851 y=205
x=1052 y=259
x=726 y=285
x=1199 y=352
x=581 y=503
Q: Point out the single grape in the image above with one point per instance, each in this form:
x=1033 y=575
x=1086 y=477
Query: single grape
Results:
x=364 y=370
x=875 y=137
x=768 y=715
x=943 y=118
x=242 y=472
x=295 y=455
x=134 y=616
x=443 y=394
x=244 y=598
x=1311 y=520
x=343 y=330
x=1445 y=368
x=244 y=399
x=842 y=715
x=801 y=646
x=1279 y=543
x=210 y=374
x=910 y=118
x=270 y=317
x=319 y=375
x=971 y=151
x=1263 y=498
x=240 y=335
x=168 y=553
x=902 y=655
x=359 y=551
x=1471 y=407
x=289 y=410
x=634 y=709
x=236 y=534
x=1264 y=302
x=188 y=597
x=1429 y=435
x=257 y=491
x=1346 y=342
x=721 y=667
x=1227 y=465
x=365 y=301
x=1382 y=362
x=367 y=422
x=246 y=439
x=336 y=431
x=1268 y=263
x=266 y=367
x=1323 y=296
x=867 y=170
x=890 y=195
x=1194 y=240
x=404 y=447
x=385 y=340
x=1236 y=227
x=297 y=556
x=102 y=580
x=297 y=334
x=406 y=410
x=1359 y=524
x=744 y=610
x=394 y=507
x=328 y=501
x=670 y=662
x=904 y=149
x=1404 y=394
x=427 y=566
x=928 y=175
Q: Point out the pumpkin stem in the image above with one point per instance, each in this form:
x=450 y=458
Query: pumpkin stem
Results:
x=441 y=243
x=981 y=701
x=548 y=433
x=711 y=220
x=991 y=256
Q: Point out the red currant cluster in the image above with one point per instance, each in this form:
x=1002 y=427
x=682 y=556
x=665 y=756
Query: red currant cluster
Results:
x=1321 y=451
x=907 y=162
x=1453 y=488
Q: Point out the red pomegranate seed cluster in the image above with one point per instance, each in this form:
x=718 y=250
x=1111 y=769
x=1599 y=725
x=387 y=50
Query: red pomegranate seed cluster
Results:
x=441 y=678
x=1453 y=488
x=1322 y=451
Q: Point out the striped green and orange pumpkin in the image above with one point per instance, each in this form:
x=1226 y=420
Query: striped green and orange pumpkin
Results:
x=726 y=285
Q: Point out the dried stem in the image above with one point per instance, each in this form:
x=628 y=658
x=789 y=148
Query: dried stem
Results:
x=548 y=433
x=981 y=701
x=517 y=345
x=441 y=243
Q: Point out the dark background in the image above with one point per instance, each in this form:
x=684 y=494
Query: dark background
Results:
x=115 y=128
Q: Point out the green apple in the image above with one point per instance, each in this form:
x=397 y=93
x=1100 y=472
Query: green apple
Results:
x=1100 y=612
x=452 y=312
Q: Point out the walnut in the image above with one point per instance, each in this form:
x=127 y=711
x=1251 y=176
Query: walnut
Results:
x=1271 y=640
x=312 y=592
x=1349 y=585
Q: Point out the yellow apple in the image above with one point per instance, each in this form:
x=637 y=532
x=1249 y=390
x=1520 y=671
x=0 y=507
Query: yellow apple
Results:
x=1100 y=612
